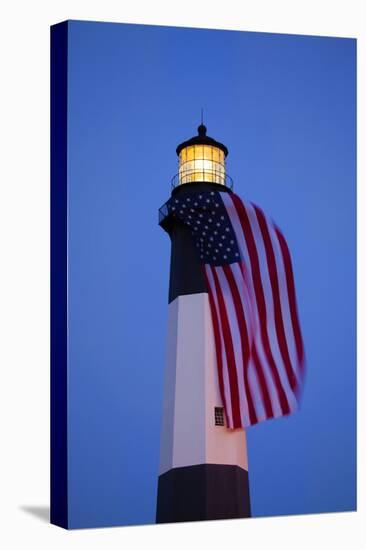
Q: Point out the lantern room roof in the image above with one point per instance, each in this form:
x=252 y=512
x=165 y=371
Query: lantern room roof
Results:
x=202 y=139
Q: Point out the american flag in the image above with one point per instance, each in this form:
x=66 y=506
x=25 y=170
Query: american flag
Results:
x=249 y=276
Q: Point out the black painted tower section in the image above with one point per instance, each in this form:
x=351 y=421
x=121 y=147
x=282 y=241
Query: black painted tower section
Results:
x=203 y=491
x=186 y=275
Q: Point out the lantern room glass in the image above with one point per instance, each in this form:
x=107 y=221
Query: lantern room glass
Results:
x=199 y=163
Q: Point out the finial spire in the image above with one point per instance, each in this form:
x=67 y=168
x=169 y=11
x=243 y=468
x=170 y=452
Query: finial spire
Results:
x=202 y=128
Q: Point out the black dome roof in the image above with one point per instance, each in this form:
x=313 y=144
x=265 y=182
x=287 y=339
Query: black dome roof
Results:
x=202 y=139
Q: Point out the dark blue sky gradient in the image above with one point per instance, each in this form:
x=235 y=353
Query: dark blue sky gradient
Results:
x=285 y=107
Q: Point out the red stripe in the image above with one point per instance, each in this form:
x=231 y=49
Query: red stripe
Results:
x=292 y=296
x=217 y=336
x=272 y=269
x=247 y=230
x=230 y=356
x=245 y=345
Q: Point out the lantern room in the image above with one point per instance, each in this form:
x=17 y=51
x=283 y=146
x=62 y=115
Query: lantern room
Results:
x=202 y=159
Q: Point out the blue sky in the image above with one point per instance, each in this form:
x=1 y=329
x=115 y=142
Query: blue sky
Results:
x=285 y=107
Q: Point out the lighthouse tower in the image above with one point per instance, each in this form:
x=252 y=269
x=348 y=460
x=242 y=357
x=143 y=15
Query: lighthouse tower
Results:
x=203 y=465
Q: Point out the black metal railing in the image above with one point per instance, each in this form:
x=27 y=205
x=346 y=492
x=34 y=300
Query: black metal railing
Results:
x=163 y=212
x=202 y=176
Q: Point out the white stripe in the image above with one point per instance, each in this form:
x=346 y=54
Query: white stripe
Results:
x=225 y=375
x=236 y=340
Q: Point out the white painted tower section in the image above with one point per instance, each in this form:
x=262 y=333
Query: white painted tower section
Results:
x=189 y=435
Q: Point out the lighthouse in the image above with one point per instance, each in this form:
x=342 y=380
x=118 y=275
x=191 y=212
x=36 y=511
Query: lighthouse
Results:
x=203 y=472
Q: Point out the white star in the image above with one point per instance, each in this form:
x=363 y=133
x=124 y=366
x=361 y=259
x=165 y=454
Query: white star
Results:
x=227 y=229
x=225 y=256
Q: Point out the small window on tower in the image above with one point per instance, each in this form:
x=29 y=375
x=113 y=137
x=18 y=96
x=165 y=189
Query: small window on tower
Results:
x=219 y=416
